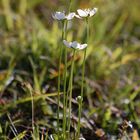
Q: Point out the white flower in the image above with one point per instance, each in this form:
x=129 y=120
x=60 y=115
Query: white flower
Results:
x=62 y=16
x=86 y=12
x=74 y=45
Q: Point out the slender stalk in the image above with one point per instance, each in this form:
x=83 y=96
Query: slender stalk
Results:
x=64 y=94
x=59 y=79
x=71 y=86
x=65 y=80
x=83 y=81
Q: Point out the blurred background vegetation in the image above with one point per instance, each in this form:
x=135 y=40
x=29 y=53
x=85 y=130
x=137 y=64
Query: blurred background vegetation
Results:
x=29 y=51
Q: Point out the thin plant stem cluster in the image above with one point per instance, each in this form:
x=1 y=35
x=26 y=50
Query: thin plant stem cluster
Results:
x=75 y=47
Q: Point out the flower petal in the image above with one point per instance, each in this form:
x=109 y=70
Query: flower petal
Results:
x=59 y=15
x=93 y=12
x=82 y=46
x=70 y=16
x=75 y=45
x=67 y=44
x=82 y=13
x=78 y=16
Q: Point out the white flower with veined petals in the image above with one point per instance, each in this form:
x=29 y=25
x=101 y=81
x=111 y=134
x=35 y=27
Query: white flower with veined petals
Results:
x=62 y=16
x=74 y=45
x=86 y=13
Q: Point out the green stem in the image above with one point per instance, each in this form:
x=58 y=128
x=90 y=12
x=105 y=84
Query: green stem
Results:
x=64 y=94
x=71 y=86
x=83 y=80
x=59 y=79
x=65 y=99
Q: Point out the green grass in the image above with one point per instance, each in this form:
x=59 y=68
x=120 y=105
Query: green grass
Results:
x=29 y=55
